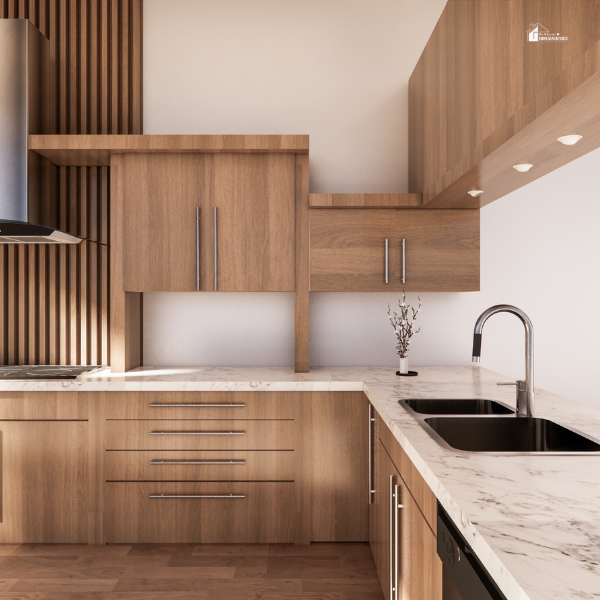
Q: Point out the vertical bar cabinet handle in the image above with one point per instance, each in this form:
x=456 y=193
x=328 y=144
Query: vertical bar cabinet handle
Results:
x=215 y=248
x=371 y=454
x=197 y=248
x=386 y=261
x=397 y=548
x=392 y=589
x=403 y=260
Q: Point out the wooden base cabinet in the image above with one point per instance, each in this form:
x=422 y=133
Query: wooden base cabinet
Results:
x=403 y=543
x=333 y=449
x=44 y=482
x=218 y=512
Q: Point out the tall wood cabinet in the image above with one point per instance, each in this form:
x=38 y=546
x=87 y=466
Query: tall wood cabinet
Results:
x=378 y=250
x=209 y=222
x=402 y=535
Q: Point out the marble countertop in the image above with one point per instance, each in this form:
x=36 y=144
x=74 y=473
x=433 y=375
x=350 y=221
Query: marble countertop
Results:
x=534 y=521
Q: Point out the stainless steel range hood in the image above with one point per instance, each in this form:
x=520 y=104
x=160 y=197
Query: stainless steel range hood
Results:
x=26 y=203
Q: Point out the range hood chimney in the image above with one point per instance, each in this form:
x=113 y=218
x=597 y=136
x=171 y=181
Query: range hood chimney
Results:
x=26 y=194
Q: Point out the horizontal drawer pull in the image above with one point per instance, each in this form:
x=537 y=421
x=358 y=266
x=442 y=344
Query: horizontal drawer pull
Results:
x=197 y=462
x=196 y=405
x=197 y=433
x=229 y=496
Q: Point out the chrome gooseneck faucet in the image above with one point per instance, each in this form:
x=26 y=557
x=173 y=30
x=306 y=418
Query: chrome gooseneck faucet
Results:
x=525 y=396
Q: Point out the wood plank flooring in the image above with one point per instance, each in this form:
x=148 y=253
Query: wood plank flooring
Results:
x=188 y=571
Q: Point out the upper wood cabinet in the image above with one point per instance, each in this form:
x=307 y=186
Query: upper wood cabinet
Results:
x=489 y=92
x=196 y=222
x=431 y=250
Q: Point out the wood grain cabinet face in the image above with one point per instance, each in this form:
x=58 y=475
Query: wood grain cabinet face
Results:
x=255 y=199
x=382 y=537
x=43 y=482
x=348 y=250
x=334 y=441
x=405 y=552
x=238 y=512
x=170 y=231
x=207 y=434
x=161 y=193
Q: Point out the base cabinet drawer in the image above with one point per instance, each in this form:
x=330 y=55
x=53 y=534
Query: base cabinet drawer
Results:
x=213 y=513
x=200 y=405
x=189 y=465
x=174 y=434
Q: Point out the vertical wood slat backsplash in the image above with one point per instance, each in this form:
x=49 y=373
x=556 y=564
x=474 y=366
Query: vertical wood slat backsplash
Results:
x=54 y=299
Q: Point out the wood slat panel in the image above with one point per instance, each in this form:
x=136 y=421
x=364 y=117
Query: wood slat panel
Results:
x=54 y=304
x=54 y=300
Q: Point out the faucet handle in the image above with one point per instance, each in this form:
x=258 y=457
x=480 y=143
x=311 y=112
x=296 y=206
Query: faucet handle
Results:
x=519 y=383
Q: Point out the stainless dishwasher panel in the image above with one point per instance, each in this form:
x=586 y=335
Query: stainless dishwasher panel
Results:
x=471 y=580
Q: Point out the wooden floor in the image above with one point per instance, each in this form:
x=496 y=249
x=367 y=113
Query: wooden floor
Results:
x=188 y=571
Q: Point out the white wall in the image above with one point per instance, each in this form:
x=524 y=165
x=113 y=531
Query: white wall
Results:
x=338 y=70
x=540 y=250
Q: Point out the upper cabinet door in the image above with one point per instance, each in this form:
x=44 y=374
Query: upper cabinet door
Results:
x=348 y=250
x=161 y=195
x=171 y=233
x=441 y=250
x=254 y=232
x=427 y=250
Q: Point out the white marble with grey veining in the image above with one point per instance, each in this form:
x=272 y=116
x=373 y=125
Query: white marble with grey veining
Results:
x=534 y=521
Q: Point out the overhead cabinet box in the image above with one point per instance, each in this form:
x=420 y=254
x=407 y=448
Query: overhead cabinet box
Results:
x=378 y=250
x=497 y=84
x=209 y=222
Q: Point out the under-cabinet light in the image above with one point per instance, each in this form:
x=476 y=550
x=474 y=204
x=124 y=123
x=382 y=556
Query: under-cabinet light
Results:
x=522 y=168
x=569 y=140
x=475 y=193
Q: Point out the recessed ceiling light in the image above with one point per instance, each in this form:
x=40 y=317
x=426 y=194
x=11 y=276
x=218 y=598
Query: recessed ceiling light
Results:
x=569 y=140
x=475 y=193
x=522 y=168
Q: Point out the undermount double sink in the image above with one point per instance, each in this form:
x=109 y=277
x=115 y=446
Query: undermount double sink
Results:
x=488 y=429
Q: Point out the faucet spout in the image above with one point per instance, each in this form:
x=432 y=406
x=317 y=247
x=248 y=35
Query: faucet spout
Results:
x=525 y=393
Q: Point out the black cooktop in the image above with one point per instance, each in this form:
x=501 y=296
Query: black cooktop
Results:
x=45 y=371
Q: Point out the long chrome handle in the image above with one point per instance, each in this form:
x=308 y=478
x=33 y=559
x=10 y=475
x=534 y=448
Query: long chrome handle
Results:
x=215 y=219
x=371 y=421
x=392 y=587
x=197 y=462
x=197 y=248
x=197 y=433
x=228 y=496
x=397 y=531
x=386 y=261
x=197 y=405
x=403 y=260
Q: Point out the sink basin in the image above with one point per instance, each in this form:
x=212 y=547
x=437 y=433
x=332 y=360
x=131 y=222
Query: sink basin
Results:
x=521 y=435
x=473 y=406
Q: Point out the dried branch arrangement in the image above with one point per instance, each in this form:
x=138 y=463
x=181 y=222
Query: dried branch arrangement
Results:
x=404 y=326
